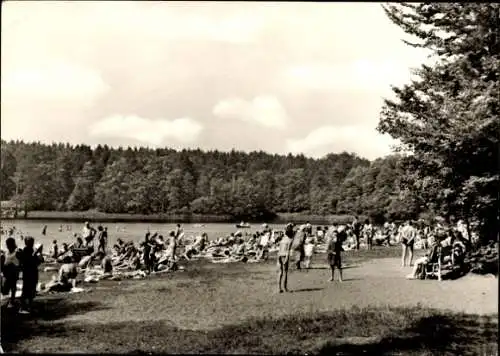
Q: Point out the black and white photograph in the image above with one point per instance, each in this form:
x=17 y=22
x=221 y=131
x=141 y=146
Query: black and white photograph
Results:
x=250 y=177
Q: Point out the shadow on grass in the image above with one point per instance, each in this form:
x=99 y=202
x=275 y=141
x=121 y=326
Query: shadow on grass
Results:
x=16 y=327
x=348 y=332
x=439 y=334
x=306 y=290
x=350 y=266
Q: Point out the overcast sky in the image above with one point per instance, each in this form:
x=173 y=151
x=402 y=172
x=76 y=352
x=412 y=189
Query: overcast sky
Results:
x=280 y=77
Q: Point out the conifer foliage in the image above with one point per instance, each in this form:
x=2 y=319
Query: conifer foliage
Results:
x=447 y=118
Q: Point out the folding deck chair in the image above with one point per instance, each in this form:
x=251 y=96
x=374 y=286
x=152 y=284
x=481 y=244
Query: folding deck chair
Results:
x=434 y=266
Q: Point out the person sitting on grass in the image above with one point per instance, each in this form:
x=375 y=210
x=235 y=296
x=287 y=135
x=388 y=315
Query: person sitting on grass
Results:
x=66 y=277
x=31 y=259
x=106 y=264
x=69 y=272
x=86 y=261
x=119 y=246
x=285 y=248
x=65 y=251
x=11 y=265
x=239 y=248
x=79 y=243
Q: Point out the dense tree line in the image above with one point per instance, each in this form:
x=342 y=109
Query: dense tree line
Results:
x=243 y=185
x=448 y=118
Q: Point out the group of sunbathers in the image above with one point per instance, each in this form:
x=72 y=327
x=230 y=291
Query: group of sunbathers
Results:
x=89 y=253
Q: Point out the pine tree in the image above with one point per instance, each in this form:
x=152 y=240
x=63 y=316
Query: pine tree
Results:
x=447 y=119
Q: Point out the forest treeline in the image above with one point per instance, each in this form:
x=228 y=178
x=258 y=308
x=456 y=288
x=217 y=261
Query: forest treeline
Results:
x=254 y=185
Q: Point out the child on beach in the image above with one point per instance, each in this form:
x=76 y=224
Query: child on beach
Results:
x=11 y=263
x=334 y=249
x=285 y=248
x=309 y=250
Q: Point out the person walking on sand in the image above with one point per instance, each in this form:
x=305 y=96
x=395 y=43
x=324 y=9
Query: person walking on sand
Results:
x=407 y=237
x=285 y=248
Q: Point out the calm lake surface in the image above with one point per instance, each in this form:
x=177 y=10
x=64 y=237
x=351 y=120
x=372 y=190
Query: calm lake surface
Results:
x=127 y=231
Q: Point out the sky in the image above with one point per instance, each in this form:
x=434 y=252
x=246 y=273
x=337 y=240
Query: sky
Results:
x=279 y=77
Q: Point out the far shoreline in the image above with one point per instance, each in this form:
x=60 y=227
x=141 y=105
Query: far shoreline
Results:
x=94 y=216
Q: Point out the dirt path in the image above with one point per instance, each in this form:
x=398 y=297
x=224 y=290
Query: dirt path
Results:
x=203 y=303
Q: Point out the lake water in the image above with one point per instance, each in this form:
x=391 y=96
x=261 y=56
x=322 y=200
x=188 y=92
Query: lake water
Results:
x=126 y=231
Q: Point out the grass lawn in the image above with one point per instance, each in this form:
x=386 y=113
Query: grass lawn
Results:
x=233 y=308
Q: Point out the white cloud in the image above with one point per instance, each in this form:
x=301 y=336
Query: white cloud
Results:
x=149 y=131
x=364 y=141
x=362 y=74
x=47 y=82
x=263 y=110
x=58 y=59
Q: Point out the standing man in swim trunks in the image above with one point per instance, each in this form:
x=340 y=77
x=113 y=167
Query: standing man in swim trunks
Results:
x=408 y=234
x=285 y=248
x=356 y=229
x=172 y=245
